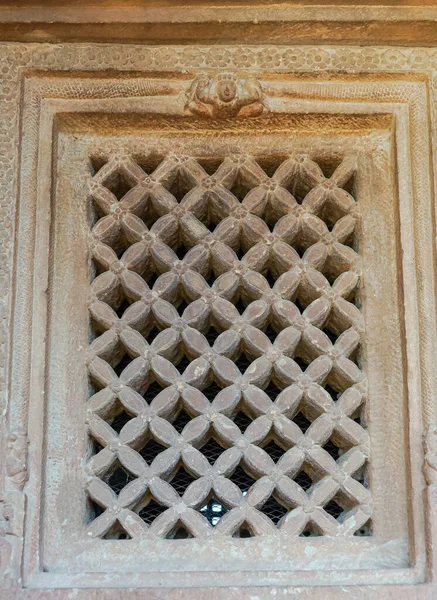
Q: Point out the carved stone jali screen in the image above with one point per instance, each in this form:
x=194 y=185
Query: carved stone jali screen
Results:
x=224 y=324
x=233 y=327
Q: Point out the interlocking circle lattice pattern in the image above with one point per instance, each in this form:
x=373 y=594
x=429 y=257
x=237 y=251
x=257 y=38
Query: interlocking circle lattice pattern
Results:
x=226 y=390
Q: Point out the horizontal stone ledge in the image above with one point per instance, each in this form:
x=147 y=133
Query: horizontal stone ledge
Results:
x=247 y=23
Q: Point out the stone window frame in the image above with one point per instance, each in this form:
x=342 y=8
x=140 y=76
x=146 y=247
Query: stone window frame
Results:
x=411 y=124
x=70 y=148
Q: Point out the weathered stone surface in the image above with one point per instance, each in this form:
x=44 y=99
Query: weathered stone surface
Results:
x=318 y=271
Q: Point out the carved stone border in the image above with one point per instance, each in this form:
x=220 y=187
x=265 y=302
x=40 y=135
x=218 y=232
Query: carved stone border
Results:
x=412 y=98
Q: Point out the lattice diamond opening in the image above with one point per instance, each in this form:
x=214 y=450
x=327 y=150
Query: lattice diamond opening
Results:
x=226 y=392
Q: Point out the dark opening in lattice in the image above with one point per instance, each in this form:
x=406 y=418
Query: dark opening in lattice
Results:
x=301 y=421
x=120 y=421
x=310 y=531
x=181 y=420
x=179 y=532
x=183 y=364
x=119 y=479
x=181 y=481
x=270 y=333
x=333 y=393
x=117 y=533
x=304 y=480
x=273 y=450
x=274 y=510
x=242 y=362
x=333 y=509
x=151 y=450
x=244 y=531
x=151 y=511
x=152 y=391
x=332 y=449
x=272 y=391
x=242 y=479
x=365 y=530
x=211 y=391
x=211 y=335
x=212 y=450
x=243 y=421
x=213 y=511
x=122 y=364
x=330 y=334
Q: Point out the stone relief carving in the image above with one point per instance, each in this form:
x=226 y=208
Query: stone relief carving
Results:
x=6 y=516
x=16 y=459
x=224 y=96
x=12 y=505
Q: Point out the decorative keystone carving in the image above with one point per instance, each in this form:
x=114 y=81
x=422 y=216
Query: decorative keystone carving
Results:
x=16 y=459
x=224 y=96
x=430 y=467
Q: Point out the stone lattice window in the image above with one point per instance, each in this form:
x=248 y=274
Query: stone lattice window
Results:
x=226 y=387
x=223 y=338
